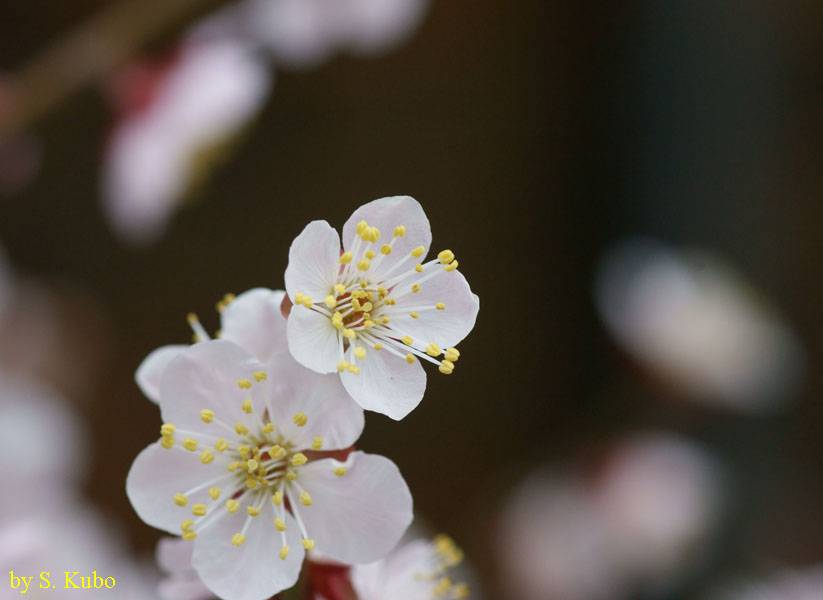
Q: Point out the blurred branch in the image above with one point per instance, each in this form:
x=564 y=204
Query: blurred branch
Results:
x=88 y=53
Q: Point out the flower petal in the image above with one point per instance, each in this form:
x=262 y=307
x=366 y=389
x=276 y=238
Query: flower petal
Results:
x=313 y=262
x=445 y=327
x=359 y=517
x=157 y=474
x=386 y=214
x=254 y=570
x=173 y=555
x=313 y=340
x=254 y=322
x=331 y=412
x=206 y=375
x=386 y=384
x=150 y=371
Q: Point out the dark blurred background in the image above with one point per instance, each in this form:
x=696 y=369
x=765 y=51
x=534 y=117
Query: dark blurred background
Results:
x=535 y=134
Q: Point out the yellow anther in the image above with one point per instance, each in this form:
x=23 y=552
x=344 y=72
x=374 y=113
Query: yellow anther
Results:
x=399 y=231
x=460 y=591
x=232 y=506
x=221 y=445
x=440 y=306
x=198 y=510
x=300 y=419
x=433 y=349
x=187 y=524
x=410 y=358
x=354 y=369
x=189 y=535
x=414 y=315
x=339 y=288
x=368 y=323
x=246 y=406
x=452 y=354
x=238 y=539
x=251 y=465
x=253 y=511
x=206 y=457
x=291 y=475
x=370 y=234
x=355 y=303
x=191 y=318
x=448 y=364
x=364 y=283
x=241 y=429
x=190 y=444
x=445 y=257
x=280 y=525
x=214 y=493
x=415 y=288
x=233 y=465
x=196 y=338
x=167 y=442
x=361 y=227
x=330 y=301
x=451 y=266
x=167 y=429
x=308 y=544
x=342 y=365
x=337 y=320
x=345 y=259
x=442 y=587
x=251 y=483
x=180 y=500
x=206 y=415
x=305 y=499
x=360 y=352
x=378 y=345
x=445 y=369
x=299 y=459
x=277 y=498
x=306 y=301
x=243 y=383
x=367 y=307
x=317 y=443
x=243 y=450
x=363 y=264
x=418 y=252
x=339 y=471
x=268 y=428
x=349 y=333
x=284 y=552
x=390 y=301
x=418 y=267
x=277 y=451
x=407 y=339
x=369 y=254
x=260 y=376
x=385 y=249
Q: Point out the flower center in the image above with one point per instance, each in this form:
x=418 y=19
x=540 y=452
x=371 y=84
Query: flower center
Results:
x=368 y=303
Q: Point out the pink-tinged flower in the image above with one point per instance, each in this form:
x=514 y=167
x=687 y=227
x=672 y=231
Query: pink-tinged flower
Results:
x=303 y=33
x=236 y=471
x=181 y=581
x=253 y=320
x=697 y=326
x=179 y=115
x=372 y=312
x=418 y=570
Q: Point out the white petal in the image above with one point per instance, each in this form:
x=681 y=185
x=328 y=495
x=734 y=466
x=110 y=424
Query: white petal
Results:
x=174 y=555
x=386 y=214
x=157 y=474
x=445 y=327
x=313 y=340
x=206 y=375
x=150 y=371
x=254 y=322
x=359 y=517
x=397 y=576
x=313 y=265
x=253 y=571
x=386 y=384
x=331 y=412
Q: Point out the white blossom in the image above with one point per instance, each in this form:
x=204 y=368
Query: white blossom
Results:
x=374 y=311
x=236 y=470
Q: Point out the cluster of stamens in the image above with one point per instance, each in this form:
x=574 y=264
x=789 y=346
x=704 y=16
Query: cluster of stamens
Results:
x=447 y=555
x=260 y=464
x=362 y=309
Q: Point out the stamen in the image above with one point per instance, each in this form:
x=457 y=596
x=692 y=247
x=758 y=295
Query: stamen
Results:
x=199 y=332
x=300 y=419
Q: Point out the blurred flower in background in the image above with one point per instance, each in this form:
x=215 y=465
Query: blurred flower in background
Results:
x=695 y=324
x=800 y=584
x=638 y=524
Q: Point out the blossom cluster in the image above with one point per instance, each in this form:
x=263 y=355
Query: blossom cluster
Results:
x=255 y=463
